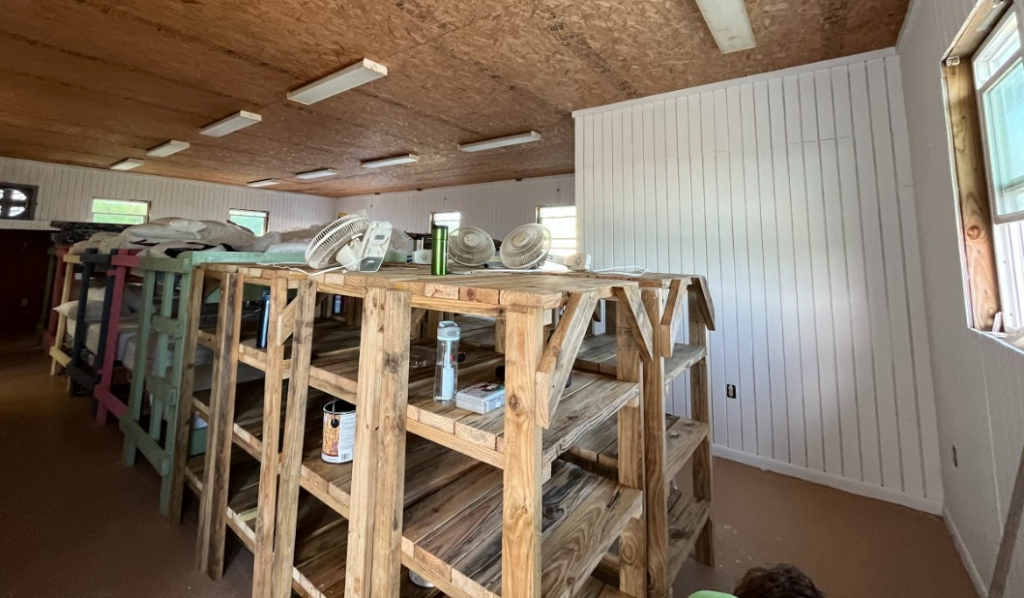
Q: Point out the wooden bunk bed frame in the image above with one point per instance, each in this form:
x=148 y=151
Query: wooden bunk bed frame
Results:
x=122 y=262
x=496 y=477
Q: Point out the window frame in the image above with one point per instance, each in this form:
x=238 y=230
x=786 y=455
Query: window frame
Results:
x=30 y=191
x=93 y=212
x=576 y=233
x=1016 y=9
x=264 y=213
x=450 y=229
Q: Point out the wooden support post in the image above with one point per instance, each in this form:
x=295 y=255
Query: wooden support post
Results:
x=262 y=583
x=700 y=410
x=131 y=445
x=499 y=333
x=214 y=499
x=434 y=318
x=301 y=325
x=190 y=304
x=520 y=542
x=632 y=547
x=378 y=473
x=656 y=486
x=62 y=321
x=560 y=353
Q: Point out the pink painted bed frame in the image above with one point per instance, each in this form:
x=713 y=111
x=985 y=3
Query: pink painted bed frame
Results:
x=106 y=401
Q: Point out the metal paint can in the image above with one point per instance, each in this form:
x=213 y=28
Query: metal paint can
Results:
x=339 y=437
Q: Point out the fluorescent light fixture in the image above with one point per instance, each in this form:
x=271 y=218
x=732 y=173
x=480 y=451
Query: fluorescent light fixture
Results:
x=231 y=124
x=171 y=147
x=729 y=24
x=264 y=183
x=487 y=144
x=127 y=164
x=395 y=161
x=316 y=174
x=358 y=74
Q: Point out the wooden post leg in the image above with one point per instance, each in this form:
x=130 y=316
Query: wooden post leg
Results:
x=520 y=570
x=139 y=373
x=700 y=410
x=214 y=500
x=378 y=474
x=190 y=305
x=294 y=433
x=499 y=333
x=262 y=581
x=633 y=555
x=656 y=486
x=62 y=321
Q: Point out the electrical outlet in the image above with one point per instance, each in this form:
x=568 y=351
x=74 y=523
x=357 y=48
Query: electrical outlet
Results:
x=956 y=461
x=730 y=391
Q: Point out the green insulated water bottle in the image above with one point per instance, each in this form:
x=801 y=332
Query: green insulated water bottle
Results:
x=439 y=251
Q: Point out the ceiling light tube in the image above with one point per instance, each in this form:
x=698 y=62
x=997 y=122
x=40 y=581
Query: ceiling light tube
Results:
x=231 y=124
x=171 y=147
x=264 y=183
x=316 y=174
x=127 y=164
x=395 y=161
x=729 y=24
x=488 y=144
x=358 y=74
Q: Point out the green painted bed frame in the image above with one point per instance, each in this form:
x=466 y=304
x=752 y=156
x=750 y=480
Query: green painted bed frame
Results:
x=171 y=376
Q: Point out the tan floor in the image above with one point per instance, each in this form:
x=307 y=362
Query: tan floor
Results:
x=74 y=523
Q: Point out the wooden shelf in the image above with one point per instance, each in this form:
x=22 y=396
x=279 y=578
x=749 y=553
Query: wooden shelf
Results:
x=454 y=536
x=600 y=447
x=321 y=542
x=686 y=517
x=597 y=354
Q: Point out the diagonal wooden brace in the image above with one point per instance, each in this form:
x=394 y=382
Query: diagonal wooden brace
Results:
x=286 y=323
x=672 y=317
x=637 y=318
x=560 y=354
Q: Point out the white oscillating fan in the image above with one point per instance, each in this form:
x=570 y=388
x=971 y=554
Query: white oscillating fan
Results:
x=526 y=247
x=577 y=262
x=342 y=232
x=366 y=254
x=470 y=246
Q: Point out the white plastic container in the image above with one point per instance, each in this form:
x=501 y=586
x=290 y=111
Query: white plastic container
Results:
x=446 y=370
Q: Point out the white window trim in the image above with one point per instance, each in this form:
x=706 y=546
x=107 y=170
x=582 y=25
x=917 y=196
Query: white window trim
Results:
x=93 y=212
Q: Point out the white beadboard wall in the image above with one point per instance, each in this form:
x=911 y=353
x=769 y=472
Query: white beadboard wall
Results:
x=792 y=192
x=66 y=193
x=495 y=207
x=979 y=382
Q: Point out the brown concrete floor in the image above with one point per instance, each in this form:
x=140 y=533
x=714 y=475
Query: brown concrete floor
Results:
x=75 y=523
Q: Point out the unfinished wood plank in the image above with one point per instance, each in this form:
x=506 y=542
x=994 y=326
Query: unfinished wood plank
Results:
x=300 y=325
x=636 y=317
x=286 y=323
x=560 y=353
x=262 y=583
x=216 y=475
x=189 y=312
x=672 y=317
x=377 y=486
x=700 y=410
x=632 y=455
x=521 y=526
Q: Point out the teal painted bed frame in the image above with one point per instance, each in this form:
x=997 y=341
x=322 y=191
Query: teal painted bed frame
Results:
x=171 y=375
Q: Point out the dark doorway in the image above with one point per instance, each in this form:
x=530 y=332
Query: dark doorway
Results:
x=24 y=264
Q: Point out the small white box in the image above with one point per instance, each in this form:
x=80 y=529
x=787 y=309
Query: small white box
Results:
x=481 y=398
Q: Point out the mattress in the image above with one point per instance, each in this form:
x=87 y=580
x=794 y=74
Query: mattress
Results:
x=127 y=331
x=204 y=364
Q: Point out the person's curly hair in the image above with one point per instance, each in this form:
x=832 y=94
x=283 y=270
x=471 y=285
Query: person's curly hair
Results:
x=779 y=581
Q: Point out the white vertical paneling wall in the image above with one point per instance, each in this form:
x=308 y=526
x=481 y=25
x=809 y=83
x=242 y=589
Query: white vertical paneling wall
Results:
x=979 y=382
x=792 y=193
x=66 y=193
x=495 y=207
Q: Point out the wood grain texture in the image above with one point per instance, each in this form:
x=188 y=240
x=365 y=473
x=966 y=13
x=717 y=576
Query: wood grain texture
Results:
x=216 y=476
x=633 y=563
x=125 y=77
x=635 y=316
x=700 y=410
x=560 y=353
x=975 y=210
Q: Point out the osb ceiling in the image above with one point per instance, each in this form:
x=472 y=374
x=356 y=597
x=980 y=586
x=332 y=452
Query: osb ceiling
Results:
x=91 y=82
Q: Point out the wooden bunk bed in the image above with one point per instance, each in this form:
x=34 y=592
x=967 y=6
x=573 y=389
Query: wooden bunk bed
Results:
x=483 y=497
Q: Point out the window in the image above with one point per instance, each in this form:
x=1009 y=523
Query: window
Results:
x=120 y=211
x=561 y=221
x=984 y=77
x=17 y=202
x=253 y=220
x=449 y=219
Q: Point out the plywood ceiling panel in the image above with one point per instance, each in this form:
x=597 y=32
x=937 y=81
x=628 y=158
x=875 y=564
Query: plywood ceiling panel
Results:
x=91 y=82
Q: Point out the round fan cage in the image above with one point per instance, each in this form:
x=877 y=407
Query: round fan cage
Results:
x=526 y=246
x=341 y=232
x=470 y=246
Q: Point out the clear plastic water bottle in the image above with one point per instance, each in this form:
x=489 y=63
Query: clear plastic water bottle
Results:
x=446 y=370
